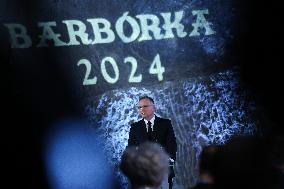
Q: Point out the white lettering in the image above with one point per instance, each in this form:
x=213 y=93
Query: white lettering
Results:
x=152 y=26
x=81 y=32
x=106 y=29
x=120 y=31
x=168 y=26
x=48 y=34
x=201 y=22
x=19 y=39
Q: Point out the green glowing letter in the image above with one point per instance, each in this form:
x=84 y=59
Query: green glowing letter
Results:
x=48 y=34
x=201 y=22
x=99 y=30
x=18 y=36
x=148 y=23
x=168 y=26
x=81 y=32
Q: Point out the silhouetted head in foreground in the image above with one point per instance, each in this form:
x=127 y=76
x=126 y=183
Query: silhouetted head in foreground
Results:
x=242 y=163
x=207 y=164
x=146 y=166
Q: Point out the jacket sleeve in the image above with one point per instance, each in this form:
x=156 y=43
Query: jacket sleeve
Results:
x=132 y=138
x=171 y=141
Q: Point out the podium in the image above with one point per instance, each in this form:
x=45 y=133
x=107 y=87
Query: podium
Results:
x=171 y=174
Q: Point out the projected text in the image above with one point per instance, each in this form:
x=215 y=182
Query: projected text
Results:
x=127 y=29
x=156 y=68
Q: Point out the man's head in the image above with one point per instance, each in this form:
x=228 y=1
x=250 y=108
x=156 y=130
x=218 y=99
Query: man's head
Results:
x=145 y=166
x=146 y=107
x=207 y=164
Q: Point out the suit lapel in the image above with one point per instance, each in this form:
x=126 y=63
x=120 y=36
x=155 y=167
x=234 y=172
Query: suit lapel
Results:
x=142 y=128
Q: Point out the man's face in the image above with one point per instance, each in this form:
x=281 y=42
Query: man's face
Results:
x=146 y=109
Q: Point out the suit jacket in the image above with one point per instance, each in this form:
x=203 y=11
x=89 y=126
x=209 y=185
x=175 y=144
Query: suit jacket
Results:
x=163 y=132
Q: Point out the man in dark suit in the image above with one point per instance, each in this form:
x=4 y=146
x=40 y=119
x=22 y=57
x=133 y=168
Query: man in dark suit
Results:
x=154 y=129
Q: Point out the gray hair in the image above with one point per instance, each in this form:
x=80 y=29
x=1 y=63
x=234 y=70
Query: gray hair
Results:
x=146 y=165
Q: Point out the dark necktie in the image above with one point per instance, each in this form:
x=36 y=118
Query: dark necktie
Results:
x=150 y=132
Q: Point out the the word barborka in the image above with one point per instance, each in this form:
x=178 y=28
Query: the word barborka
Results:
x=140 y=28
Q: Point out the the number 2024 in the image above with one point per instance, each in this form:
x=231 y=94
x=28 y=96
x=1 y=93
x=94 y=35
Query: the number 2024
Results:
x=155 y=68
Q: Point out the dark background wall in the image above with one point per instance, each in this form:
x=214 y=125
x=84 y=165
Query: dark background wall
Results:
x=261 y=57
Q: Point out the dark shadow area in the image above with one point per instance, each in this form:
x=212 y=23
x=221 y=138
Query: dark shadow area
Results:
x=260 y=62
x=33 y=95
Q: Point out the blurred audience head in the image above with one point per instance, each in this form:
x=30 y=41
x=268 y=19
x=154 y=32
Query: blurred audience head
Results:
x=242 y=163
x=74 y=157
x=146 y=166
x=207 y=164
x=276 y=152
